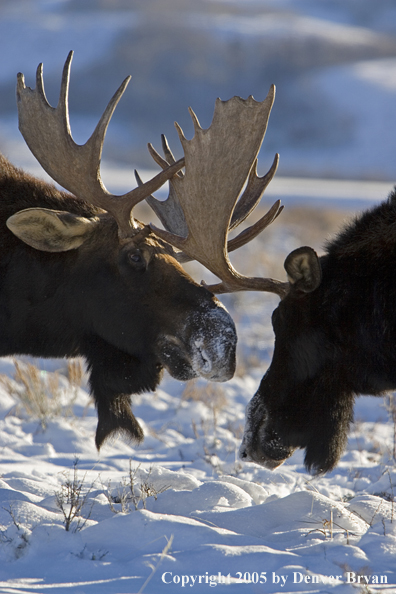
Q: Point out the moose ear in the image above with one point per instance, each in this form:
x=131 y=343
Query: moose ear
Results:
x=51 y=230
x=303 y=269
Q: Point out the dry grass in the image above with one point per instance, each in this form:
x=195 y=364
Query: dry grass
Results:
x=246 y=361
x=211 y=394
x=43 y=395
x=314 y=225
x=132 y=492
x=390 y=406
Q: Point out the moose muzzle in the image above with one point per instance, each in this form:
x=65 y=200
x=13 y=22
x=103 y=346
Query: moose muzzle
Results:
x=206 y=347
x=261 y=443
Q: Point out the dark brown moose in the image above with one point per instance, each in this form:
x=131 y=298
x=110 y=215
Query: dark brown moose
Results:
x=335 y=330
x=80 y=276
x=334 y=335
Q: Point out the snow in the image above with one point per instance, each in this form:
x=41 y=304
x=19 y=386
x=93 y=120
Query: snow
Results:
x=182 y=505
x=286 y=25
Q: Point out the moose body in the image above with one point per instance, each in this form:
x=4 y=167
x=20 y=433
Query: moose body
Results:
x=335 y=336
x=125 y=305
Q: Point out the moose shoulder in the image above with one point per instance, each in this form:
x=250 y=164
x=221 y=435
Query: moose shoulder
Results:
x=81 y=276
x=335 y=332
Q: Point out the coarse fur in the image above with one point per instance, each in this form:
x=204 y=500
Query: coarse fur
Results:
x=125 y=305
x=335 y=333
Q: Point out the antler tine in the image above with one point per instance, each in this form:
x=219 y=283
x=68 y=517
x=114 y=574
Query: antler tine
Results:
x=169 y=158
x=218 y=162
x=253 y=192
x=46 y=131
x=171 y=215
x=168 y=153
x=251 y=283
x=251 y=232
x=169 y=211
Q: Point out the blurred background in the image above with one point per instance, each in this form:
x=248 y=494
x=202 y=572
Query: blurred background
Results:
x=333 y=63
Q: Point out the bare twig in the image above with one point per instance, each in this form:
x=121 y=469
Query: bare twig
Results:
x=70 y=499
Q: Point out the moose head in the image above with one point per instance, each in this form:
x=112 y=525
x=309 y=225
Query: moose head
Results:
x=84 y=277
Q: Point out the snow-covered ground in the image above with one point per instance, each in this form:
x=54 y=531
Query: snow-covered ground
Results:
x=181 y=510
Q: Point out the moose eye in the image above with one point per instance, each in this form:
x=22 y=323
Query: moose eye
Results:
x=136 y=260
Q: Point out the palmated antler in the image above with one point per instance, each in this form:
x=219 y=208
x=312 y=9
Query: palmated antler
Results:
x=219 y=160
x=46 y=131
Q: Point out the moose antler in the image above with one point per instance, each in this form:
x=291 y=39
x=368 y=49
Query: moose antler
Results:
x=46 y=131
x=169 y=211
x=218 y=162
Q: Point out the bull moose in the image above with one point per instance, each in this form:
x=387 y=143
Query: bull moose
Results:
x=80 y=276
x=335 y=330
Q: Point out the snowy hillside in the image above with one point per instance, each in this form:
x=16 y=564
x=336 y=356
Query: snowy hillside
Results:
x=333 y=64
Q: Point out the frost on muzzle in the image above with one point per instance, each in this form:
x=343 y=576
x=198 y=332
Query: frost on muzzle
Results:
x=260 y=443
x=207 y=347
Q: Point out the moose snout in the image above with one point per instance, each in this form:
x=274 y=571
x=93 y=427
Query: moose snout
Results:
x=263 y=446
x=213 y=346
x=258 y=456
x=205 y=346
x=261 y=443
